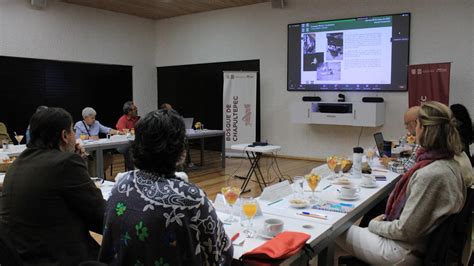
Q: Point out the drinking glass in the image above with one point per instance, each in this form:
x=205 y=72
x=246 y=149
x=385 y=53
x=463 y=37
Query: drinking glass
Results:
x=370 y=155
x=19 y=138
x=313 y=181
x=338 y=168
x=249 y=208
x=298 y=182
x=332 y=163
x=231 y=194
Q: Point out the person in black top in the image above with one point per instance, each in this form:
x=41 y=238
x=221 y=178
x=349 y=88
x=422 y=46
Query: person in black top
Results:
x=49 y=203
x=464 y=126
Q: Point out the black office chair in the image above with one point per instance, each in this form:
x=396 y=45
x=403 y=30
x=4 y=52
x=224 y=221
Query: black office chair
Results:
x=447 y=241
x=8 y=254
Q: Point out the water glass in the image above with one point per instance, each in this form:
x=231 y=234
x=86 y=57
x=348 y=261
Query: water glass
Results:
x=298 y=183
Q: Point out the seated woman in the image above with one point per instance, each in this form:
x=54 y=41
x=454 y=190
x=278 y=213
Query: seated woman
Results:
x=155 y=218
x=425 y=195
x=89 y=128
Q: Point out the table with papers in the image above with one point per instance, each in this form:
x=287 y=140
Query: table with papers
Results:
x=323 y=232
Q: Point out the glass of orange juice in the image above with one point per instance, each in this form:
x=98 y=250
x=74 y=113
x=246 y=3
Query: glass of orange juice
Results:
x=332 y=163
x=231 y=194
x=313 y=181
x=249 y=208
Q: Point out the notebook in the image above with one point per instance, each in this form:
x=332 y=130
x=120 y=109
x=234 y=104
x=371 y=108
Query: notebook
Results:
x=333 y=206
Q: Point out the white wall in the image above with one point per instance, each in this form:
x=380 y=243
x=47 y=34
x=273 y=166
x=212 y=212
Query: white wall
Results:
x=442 y=31
x=74 y=33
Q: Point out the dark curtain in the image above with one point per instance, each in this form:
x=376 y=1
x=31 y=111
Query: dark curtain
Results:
x=27 y=83
x=197 y=91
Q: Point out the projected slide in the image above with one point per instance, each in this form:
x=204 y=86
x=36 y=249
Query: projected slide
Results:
x=351 y=54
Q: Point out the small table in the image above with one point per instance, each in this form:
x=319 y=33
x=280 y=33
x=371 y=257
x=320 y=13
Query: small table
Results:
x=254 y=154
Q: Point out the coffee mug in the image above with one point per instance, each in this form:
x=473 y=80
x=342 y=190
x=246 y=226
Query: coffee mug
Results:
x=272 y=227
x=368 y=180
x=349 y=191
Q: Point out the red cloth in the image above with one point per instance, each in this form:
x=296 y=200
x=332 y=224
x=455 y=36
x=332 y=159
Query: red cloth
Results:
x=125 y=123
x=397 y=199
x=281 y=246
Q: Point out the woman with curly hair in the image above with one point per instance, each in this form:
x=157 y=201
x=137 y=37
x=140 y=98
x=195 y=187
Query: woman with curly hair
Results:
x=155 y=218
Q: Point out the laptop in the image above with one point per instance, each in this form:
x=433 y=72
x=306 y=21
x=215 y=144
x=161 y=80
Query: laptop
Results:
x=379 y=142
x=188 y=122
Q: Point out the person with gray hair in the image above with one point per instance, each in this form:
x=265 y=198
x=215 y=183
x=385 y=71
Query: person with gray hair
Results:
x=89 y=128
x=129 y=118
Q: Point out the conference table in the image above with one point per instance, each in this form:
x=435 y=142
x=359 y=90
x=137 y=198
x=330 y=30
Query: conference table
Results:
x=120 y=141
x=323 y=233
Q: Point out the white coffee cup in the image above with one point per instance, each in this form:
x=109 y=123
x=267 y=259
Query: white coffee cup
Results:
x=368 y=180
x=272 y=227
x=349 y=191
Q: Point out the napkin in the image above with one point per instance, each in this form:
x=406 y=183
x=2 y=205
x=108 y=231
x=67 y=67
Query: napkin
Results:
x=281 y=246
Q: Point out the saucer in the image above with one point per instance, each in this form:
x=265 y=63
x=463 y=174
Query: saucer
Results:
x=263 y=235
x=373 y=185
x=355 y=197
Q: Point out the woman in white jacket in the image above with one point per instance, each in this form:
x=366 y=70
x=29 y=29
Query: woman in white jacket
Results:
x=424 y=196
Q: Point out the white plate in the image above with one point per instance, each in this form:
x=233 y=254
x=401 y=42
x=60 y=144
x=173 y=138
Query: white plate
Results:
x=373 y=185
x=355 y=197
x=299 y=205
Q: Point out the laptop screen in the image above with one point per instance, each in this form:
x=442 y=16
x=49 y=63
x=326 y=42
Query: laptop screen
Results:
x=188 y=122
x=379 y=142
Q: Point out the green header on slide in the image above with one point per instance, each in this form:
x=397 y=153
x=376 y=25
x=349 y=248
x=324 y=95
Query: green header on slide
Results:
x=347 y=24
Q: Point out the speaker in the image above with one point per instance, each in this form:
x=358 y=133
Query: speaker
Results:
x=311 y=99
x=372 y=100
x=278 y=3
x=38 y=3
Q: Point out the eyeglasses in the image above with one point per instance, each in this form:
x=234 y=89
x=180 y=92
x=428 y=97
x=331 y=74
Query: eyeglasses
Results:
x=408 y=122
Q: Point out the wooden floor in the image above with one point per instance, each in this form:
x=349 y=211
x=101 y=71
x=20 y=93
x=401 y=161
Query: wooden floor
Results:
x=212 y=177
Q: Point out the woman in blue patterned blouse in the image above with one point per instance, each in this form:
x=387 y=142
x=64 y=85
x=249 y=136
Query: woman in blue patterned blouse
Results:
x=155 y=218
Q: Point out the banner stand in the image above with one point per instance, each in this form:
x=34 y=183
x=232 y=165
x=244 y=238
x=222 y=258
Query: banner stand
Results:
x=428 y=82
x=239 y=109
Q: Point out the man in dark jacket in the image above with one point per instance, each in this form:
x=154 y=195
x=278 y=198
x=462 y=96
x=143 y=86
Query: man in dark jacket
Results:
x=49 y=203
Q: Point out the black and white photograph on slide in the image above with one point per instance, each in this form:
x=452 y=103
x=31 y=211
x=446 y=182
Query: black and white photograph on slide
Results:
x=335 y=46
x=329 y=71
x=309 y=43
x=313 y=61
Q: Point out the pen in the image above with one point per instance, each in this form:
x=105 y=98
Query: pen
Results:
x=380 y=170
x=327 y=186
x=234 y=237
x=276 y=201
x=313 y=215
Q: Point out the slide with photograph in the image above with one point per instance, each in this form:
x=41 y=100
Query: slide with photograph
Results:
x=352 y=56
